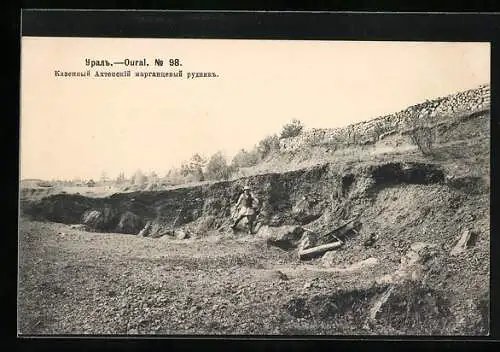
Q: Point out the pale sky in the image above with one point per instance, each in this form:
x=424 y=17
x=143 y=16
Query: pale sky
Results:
x=73 y=127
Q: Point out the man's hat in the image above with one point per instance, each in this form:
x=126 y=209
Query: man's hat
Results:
x=246 y=187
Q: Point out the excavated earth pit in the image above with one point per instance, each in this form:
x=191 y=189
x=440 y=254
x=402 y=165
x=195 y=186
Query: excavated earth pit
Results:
x=395 y=205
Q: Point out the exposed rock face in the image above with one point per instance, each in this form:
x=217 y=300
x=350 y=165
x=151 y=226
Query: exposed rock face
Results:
x=414 y=264
x=100 y=220
x=316 y=196
x=368 y=132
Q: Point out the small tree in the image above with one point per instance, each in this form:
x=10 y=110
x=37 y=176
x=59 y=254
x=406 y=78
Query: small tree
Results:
x=292 y=129
x=194 y=168
x=139 y=178
x=421 y=134
x=268 y=145
x=120 y=179
x=217 y=168
x=173 y=177
x=352 y=137
x=153 y=177
x=245 y=159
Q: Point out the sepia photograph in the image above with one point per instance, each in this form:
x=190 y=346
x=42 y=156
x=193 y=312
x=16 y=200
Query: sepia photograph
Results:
x=183 y=186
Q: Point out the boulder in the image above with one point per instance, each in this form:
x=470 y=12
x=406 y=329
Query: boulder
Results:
x=465 y=240
x=129 y=223
x=329 y=259
x=284 y=237
x=181 y=234
x=415 y=262
x=158 y=230
x=101 y=220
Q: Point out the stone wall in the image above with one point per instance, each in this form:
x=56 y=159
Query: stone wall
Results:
x=367 y=132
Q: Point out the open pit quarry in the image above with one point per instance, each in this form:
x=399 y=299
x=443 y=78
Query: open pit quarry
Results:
x=390 y=245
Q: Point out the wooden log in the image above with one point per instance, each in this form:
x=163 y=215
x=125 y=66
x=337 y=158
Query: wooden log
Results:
x=318 y=250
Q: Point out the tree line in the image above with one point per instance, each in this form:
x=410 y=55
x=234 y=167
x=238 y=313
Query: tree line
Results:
x=200 y=168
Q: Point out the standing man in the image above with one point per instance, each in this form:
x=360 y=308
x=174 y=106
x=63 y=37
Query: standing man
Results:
x=248 y=203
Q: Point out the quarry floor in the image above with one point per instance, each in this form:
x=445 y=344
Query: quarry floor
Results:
x=72 y=282
x=76 y=282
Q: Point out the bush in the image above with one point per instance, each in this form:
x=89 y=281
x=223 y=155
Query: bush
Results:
x=423 y=138
x=292 y=129
x=421 y=135
x=172 y=178
x=193 y=175
x=245 y=159
x=352 y=137
x=218 y=169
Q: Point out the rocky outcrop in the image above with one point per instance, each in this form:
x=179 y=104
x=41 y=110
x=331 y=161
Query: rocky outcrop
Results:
x=466 y=240
x=370 y=131
x=414 y=264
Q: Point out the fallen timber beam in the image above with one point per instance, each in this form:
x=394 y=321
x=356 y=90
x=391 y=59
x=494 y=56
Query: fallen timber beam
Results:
x=342 y=232
x=318 y=250
x=339 y=232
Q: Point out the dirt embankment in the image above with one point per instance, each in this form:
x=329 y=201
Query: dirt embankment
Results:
x=292 y=198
